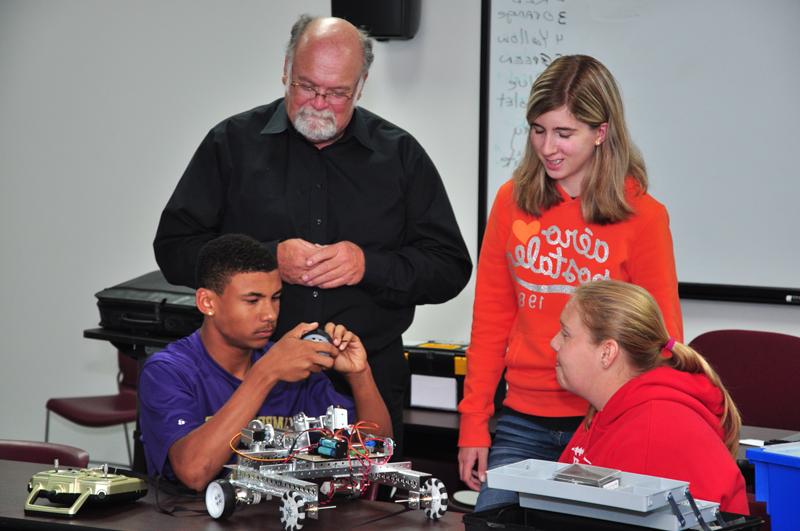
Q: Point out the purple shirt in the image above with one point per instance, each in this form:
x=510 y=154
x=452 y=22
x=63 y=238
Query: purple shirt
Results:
x=181 y=386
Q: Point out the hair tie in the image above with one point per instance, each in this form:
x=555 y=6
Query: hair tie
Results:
x=667 y=350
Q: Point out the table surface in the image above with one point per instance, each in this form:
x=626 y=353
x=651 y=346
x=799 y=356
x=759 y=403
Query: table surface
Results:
x=142 y=514
x=764 y=434
x=134 y=340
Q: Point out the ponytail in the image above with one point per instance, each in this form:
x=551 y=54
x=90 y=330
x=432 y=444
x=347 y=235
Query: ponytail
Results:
x=684 y=358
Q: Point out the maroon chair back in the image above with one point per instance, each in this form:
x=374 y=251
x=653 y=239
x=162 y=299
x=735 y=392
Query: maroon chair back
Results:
x=104 y=410
x=43 y=452
x=760 y=371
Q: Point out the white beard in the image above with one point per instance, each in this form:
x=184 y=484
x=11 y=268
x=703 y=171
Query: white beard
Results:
x=316 y=126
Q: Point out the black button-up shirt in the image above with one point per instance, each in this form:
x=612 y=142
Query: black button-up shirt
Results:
x=375 y=186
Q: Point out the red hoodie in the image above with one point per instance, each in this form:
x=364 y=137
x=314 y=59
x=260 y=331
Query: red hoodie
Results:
x=665 y=423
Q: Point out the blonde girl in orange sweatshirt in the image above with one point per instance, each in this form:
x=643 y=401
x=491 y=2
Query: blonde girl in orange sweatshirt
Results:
x=575 y=210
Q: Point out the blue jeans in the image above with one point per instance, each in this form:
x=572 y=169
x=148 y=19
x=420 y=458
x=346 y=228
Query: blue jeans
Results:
x=516 y=439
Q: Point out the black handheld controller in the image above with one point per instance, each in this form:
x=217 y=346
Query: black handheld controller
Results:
x=318 y=336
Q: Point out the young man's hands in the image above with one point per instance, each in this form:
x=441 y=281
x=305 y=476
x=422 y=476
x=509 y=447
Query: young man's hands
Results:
x=292 y=359
x=352 y=357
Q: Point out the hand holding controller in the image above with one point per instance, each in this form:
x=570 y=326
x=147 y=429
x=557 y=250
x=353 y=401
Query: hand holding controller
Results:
x=319 y=336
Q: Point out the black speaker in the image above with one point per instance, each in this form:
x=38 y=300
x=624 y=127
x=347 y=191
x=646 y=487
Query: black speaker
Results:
x=382 y=19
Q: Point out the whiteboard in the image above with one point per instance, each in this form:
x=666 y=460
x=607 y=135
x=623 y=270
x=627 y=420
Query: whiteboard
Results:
x=711 y=91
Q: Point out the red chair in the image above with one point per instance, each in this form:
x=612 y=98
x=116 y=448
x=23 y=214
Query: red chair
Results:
x=102 y=411
x=760 y=370
x=43 y=452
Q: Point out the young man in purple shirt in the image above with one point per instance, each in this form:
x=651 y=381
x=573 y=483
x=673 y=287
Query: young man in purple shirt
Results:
x=201 y=390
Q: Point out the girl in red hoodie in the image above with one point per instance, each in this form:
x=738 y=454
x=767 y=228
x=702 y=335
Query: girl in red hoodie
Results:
x=656 y=406
x=576 y=209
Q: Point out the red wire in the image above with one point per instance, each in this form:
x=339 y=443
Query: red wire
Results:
x=361 y=453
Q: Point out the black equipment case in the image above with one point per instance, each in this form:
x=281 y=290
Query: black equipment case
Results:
x=149 y=305
x=448 y=360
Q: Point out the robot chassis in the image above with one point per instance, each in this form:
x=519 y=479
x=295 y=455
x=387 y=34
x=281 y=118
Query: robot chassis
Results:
x=288 y=464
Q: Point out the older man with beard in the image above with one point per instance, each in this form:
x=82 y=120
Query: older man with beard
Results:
x=351 y=205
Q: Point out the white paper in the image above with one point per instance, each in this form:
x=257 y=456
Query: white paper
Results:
x=433 y=391
x=752 y=442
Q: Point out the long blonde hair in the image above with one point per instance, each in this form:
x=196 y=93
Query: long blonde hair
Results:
x=588 y=90
x=627 y=313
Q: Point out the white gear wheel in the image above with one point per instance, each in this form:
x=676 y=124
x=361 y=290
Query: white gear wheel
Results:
x=437 y=492
x=220 y=499
x=293 y=511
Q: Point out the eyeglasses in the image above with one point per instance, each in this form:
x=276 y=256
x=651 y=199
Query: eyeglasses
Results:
x=334 y=97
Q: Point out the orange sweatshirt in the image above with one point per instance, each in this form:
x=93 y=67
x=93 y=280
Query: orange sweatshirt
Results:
x=527 y=270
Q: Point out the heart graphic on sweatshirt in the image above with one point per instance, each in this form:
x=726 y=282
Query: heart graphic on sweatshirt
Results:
x=524 y=231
